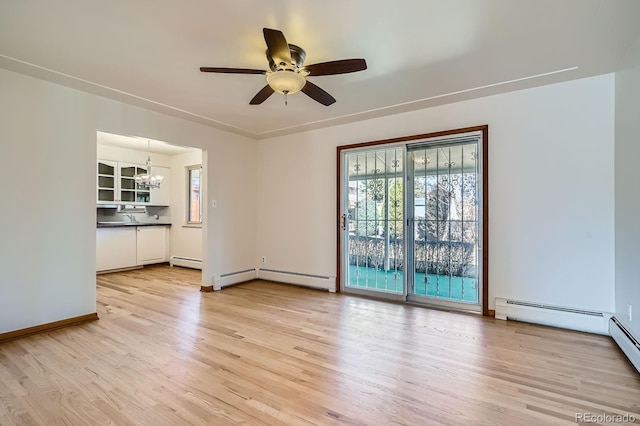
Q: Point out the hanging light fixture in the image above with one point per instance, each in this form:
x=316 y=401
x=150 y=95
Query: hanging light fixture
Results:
x=286 y=82
x=148 y=180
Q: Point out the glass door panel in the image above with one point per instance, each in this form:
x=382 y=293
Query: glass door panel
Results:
x=127 y=184
x=106 y=195
x=106 y=182
x=127 y=171
x=143 y=194
x=127 y=196
x=106 y=169
x=373 y=222
x=444 y=183
x=143 y=197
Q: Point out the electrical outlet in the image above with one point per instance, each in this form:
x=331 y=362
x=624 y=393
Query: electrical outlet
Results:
x=630 y=312
x=264 y=259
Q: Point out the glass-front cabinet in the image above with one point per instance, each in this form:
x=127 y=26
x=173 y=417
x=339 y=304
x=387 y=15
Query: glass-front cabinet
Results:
x=116 y=183
x=130 y=192
x=107 y=178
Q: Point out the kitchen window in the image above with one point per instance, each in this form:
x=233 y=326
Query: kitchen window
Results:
x=194 y=186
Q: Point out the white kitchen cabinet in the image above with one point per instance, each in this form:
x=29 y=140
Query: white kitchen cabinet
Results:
x=116 y=183
x=107 y=182
x=161 y=196
x=115 y=248
x=130 y=192
x=151 y=244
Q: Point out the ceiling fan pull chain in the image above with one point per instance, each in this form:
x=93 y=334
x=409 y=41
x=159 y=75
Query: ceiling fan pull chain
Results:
x=285 y=97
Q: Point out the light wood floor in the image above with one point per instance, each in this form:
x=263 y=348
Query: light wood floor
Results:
x=163 y=353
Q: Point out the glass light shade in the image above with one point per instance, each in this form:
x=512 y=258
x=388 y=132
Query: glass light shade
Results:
x=147 y=180
x=142 y=178
x=286 y=81
x=156 y=180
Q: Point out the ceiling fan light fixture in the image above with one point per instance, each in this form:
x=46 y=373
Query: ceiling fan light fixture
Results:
x=286 y=81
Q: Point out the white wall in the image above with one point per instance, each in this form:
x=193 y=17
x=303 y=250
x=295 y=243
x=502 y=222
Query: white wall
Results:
x=47 y=176
x=186 y=240
x=47 y=217
x=550 y=188
x=627 y=221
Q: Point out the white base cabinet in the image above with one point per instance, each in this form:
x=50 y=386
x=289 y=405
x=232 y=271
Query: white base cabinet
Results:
x=151 y=244
x=115 y=248
x=131 y=246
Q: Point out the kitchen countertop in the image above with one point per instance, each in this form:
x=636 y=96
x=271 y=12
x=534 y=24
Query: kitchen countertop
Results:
x=125 y=224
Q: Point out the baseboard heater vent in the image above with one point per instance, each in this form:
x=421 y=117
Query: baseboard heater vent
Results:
x=556 y=316
x=322 y=282
x=626 y=341
x=232 y=278
x=186 y=262
x=231 y=274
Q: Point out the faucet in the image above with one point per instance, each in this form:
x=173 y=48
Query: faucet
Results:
x=131 y=217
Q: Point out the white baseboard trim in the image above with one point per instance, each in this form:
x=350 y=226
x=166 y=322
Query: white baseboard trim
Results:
x=556 y=316
x=307 y=280
x=224 y=280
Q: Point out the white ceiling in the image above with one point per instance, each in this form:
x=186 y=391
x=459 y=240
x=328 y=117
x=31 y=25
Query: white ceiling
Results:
x=420 y=53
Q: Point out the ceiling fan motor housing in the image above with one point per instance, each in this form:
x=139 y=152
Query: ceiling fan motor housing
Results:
x=298 y=56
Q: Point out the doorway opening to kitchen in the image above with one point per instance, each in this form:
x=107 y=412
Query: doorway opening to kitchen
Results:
x=148 y=204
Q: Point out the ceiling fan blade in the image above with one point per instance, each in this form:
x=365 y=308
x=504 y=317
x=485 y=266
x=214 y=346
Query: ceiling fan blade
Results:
x=262 y=95
x=317 y=94
x=342 y=66
x=232 y=70
x=277 y=46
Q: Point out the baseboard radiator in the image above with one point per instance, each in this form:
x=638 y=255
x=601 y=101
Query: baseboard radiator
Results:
x=231 y=278
x=556 y=316
x=186 y=262
x=626 y=341
x=305 y=280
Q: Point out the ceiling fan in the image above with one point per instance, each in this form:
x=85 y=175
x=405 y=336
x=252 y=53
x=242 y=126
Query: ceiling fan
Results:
x=288 y=74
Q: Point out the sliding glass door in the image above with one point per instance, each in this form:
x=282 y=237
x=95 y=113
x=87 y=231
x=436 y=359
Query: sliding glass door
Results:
x=444 y=223
x=411 y=220
x=373 y=222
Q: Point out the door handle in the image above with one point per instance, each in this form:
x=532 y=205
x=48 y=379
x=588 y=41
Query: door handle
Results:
x=343 y=222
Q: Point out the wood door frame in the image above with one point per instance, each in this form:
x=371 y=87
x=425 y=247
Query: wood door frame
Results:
x=485 y=198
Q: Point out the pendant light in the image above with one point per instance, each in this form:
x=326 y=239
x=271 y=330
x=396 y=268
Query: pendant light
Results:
x=148 y=180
